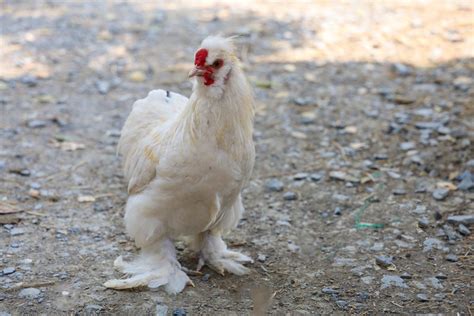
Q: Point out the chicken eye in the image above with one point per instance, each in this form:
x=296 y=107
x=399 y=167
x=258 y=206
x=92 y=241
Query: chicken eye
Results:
x=218 y=63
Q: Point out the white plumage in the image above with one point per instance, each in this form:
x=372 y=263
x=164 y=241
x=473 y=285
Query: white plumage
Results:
x=186 y=161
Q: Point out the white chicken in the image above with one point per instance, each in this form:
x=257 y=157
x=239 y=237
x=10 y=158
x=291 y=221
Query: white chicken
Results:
x=186 y=162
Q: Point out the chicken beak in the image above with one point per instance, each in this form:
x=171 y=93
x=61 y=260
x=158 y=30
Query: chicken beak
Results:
x=195 y=72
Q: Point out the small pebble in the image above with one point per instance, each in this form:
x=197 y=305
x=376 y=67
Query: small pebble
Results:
x=452 y=258
x=274 y=185
x=463 y=230
x=329 y=290
x=8 y=270
x=338 y=211
x=16 y=231
x=261 y=258
x=161 y=310
x=290 y=196
x=300 y=176
x=439 y=296
x=423 y=222
x=399 y=191
x=36 y=124
x=461 y=219
x=206 y=277
x=179 y=312
x=392 y=280
x=316 y=177
x=440 y=194
x=441 y=276
x=406 y=276
x=384 y=261
x=407 y=146
x=103 y=86
x=422 y=297
x=342 y=304
x=29 y=293
x=92 y=308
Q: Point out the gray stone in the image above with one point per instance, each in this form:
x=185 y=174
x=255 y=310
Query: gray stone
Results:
x=8 y=270
x=466 y=184
x=316 y=176
x=407 y=146
x=423 y=222
x=401 y=69
x=441 y=276
x=378 y=246
x=450 y=232
x=300 y=176
x=392 y=280
x=399 y=191
x=440 y=194
x=341 y=304
x=161 y=310
x=36 y=124
x=103 y=86
x=329 y=290
x=406 y=276
x=421 y=187
x=179 y=312
x=452 y=258
x=432 y=243
x=17 y=231
x=422 y=297
x=463 y=230
x=274 y=185
x=461 y=219
x=93 y=308
x=384 y=261
x=290 y=196
x=434 y=282
x=30 y=293
x=426 y=112
x=29 y=80
x=303 y=101
x=439 y=296
x=427 y=125
x=261 y=257
x=443 y=130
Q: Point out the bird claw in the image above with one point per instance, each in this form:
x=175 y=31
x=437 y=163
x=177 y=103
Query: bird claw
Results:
x=191 y=272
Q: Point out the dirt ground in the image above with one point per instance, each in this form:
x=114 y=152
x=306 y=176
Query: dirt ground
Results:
x=364 y=133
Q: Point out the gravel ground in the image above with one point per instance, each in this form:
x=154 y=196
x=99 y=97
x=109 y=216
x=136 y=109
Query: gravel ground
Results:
x=365 y=161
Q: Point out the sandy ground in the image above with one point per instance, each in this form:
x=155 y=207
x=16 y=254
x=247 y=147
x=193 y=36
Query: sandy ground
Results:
x=364 y=134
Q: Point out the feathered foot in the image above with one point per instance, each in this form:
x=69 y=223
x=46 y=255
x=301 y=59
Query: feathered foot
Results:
x=215 y=254
x=153 y=269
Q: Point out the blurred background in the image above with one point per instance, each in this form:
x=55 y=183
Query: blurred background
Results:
x=364 y=131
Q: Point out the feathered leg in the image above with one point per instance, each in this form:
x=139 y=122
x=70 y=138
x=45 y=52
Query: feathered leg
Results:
x=156 y=266
x=215 y=254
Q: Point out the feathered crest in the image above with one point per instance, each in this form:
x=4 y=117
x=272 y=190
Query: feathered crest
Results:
x=219 y=42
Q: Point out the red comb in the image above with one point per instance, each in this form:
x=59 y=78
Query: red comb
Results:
x=200 y=58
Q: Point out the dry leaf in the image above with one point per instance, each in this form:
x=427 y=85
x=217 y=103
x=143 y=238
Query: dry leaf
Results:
x=85 y=198
x=137 y=76
x=69 y=146
x=447 y=185
x=350 y=129
x=34 y=193
x=299 y=135
x=9 y=219
x=8 y=208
